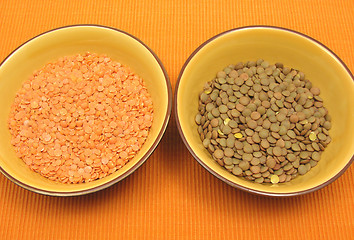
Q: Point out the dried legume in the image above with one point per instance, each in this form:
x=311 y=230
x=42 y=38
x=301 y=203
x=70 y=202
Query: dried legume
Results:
x=275 y=127
x=81 y=118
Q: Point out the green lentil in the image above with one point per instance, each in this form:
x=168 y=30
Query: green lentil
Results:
x=264 y=122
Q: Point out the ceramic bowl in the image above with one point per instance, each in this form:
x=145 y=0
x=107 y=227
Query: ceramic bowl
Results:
x=295 y=50
x=71 y=40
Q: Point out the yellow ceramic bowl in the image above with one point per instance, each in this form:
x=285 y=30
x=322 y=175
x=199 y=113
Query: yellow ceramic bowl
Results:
x=70 y=40
x=296 y=50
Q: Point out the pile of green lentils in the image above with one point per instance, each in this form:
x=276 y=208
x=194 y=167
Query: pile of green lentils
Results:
x=263 y=122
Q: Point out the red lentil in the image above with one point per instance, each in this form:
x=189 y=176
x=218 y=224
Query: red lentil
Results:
x=80 y=118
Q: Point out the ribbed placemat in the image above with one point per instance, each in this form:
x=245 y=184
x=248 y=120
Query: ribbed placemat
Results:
x=171 y=196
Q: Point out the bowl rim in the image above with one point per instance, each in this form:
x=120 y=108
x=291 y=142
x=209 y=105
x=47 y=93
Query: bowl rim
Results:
x=142 y=159
x=238 y=186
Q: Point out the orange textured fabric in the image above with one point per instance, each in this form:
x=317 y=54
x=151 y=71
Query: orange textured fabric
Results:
x=171 y=196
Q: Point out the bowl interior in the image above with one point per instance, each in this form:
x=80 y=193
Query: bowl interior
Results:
x=69 y=41
x=320 y=66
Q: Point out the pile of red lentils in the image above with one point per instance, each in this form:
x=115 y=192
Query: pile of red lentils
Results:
x=80 y=118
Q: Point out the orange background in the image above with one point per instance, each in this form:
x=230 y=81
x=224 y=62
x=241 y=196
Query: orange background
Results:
x=171 y=196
